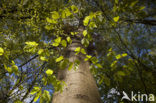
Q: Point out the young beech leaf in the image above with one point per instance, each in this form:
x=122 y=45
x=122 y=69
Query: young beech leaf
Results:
x=116 y=1
x=55 y=15
x=116 y=19
x=49 y=72
x=67 y=12
x=84 y=33
x=64 y=43
x=37 y=96
x=69 y=39
x=94 y=60
x=87 y=57
x=77 y=49
x=121 y=55
x=14 y=68
x=83 y=51
x=40 y=51
x=57 y=41
x=121 y=73
x=43 y=58
x=59 y=59
x=74 y=9
x=142 y=7
x=1 y=51
x=47 y=95
x=86 y=20
x=70 y=66
x=113 y=64
x=8 y=68
x=33 y=43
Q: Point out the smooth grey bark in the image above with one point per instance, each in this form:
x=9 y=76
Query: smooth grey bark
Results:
x=81 y=86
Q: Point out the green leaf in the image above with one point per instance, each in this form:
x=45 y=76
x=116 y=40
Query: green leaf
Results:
x=31 y=47
x=142 y=7
x=116 y=19
x=64 y=43
x=33 y=43
x=1 y=51
x=124 y=54
x=33 y=91
x=94 y=60
x=49 y=72
x=69 y=39
x=92 y=25
x=53 y=21
x=77 y=50
x=59 y=59
x=121 y=55
x=43 y=58
x=18 y=101
x=37 y=96
x=84 y=33
x=7 y=68
x=76 y=64
x=83 y=51
x=67 y=12
x=37 y=88
x=14 y=68
x=121 y=73
x=86 y=20
x=49 y=27
x=74 y=33
x=85 y=42
x=70 y=66
x=116 y=1
x=113 y=64
x=55 y=44
x=57 y=41
x=99 y=65
x=87 y=57
x=110 y=50
x=64 y=63
x=55 y=15
x=133 y=3
x=40 y=51
x=47 y=95
x=74 y=9
x=104 y=79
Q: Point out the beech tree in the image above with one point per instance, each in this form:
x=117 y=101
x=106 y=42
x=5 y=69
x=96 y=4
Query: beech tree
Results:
x=76 y=51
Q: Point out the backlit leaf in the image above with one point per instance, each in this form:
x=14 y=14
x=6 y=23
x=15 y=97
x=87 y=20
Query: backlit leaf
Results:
x=116 y=19
x=59 y=59
x=33 y=43
x=86 y=20
x=69 y=39
x=55 y=15
x=64 y=43
x=121 y=73
x=84 y=33
x=83 y=51
x=49 y=72
x=113 y=64
x=1 y=51
x=74 y=9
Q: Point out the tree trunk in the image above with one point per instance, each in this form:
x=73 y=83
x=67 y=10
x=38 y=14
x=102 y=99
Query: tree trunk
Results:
x=81 y=86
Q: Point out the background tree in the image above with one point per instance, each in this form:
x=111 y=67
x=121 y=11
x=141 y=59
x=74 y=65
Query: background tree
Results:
x=119 y=37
